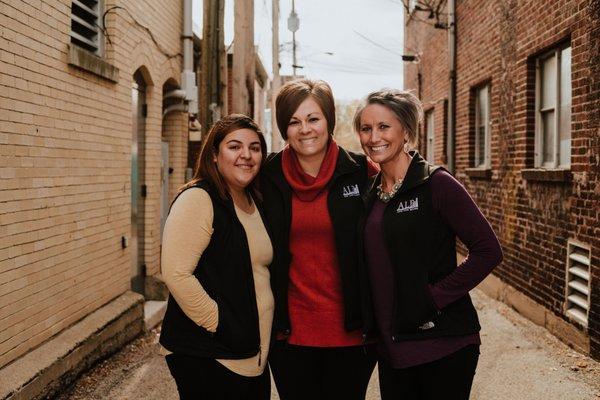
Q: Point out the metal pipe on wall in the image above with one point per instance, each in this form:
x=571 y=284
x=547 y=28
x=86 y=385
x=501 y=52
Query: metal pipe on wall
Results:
x=188 y=76
x=452 y=85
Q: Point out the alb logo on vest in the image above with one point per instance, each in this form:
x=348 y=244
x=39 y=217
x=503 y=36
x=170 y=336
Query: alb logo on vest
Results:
x=408 y=205
x=351 y=191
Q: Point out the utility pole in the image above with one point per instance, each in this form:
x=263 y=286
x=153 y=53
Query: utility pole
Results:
x=244 y=67
x=276 y=83
x=222 y=61
x=211 y=57
x=293 y=25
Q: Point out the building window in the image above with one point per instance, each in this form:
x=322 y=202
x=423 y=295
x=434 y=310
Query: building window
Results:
x=553 y=109
x=429 y=128
x=482 y=127
x=86 y=23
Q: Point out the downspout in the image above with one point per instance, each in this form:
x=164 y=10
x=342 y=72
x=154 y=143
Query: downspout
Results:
x=188 y=76
x=189 y=91
x=452 y=83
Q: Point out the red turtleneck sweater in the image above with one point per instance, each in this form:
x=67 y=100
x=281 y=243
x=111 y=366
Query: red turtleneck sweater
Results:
x=316 y=304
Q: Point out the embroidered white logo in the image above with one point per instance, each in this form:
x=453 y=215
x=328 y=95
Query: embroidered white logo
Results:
x=351 y=191
x=408 y=205
x=427 y=325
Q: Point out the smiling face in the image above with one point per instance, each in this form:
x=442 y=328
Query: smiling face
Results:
x=238 y=158
x=381 y=134
x=307 y=131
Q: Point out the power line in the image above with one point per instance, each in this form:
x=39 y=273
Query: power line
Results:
x=376 y=44
x=366 y=67
x=348 y=69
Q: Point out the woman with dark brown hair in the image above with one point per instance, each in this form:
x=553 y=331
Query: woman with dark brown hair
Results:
x=215 y=261
x=312 y=198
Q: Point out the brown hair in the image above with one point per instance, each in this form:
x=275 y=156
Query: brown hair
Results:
x=405 y=105
x=206 y=168
x=295 y=92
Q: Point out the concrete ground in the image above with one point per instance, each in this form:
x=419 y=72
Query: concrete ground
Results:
x=519 y=361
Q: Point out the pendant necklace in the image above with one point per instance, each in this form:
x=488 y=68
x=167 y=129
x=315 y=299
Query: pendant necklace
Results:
x=387 y=196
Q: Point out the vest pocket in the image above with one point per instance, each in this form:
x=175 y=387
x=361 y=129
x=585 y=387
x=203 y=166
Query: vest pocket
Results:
x=234 y=331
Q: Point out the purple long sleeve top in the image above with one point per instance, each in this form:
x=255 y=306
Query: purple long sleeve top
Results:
x=459 y=211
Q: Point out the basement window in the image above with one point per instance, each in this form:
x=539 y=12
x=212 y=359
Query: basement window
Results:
x=577 y=293
x=86 y=31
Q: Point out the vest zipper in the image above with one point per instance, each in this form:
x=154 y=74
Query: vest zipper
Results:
x=394 y=291
x=259 y=354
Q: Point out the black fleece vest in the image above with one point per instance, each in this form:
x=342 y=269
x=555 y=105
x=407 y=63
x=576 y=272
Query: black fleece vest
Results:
x=225 y=272
x=345 y=206
x=422 y=249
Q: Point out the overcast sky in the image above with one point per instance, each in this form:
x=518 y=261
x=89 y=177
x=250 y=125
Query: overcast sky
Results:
x=365 y=37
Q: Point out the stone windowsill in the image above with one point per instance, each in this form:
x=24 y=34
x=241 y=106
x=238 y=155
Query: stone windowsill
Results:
x=479 y=173
x=87 y=61
x=546 y=175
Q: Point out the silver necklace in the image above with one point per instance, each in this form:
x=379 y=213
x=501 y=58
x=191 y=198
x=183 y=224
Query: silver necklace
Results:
x=387 y=196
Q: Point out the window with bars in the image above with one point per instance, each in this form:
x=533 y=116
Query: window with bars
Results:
x=553 y=109
x=577 y=293
x=429 y=127
x=86 y=23
x=482 y=127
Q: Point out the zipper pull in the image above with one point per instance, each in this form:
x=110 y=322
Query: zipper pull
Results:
x=259 y=354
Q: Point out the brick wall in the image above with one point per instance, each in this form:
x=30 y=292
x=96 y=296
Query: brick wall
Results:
x=65 y=149
x=497 y=43
x=431 y=46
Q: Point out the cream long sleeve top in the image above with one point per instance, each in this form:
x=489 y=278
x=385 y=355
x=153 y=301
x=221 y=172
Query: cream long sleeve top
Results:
x=186 y=235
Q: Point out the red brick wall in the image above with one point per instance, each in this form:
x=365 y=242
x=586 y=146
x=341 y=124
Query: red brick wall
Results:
x=431 y=46
x=497 y=42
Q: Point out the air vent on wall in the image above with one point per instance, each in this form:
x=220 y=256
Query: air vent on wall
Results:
x=578 y=282
x=85 y=31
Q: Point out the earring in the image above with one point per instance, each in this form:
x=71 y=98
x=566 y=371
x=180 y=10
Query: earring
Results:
x=406 y=147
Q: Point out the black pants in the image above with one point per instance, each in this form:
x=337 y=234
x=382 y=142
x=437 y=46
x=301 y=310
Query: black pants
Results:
x=449 y=378
x=317 y=373
x=205 y=378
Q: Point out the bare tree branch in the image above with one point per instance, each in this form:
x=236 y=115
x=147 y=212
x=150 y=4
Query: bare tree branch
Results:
x=434 y=9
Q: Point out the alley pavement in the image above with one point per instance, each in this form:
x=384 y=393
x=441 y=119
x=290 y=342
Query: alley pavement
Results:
x=519 y=361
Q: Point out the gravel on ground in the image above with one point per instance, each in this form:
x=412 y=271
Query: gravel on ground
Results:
x=519 y=361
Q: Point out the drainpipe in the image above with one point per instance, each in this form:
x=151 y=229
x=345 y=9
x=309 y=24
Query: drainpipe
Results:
x=452 y=83
x=188 y=76
x=189 y=92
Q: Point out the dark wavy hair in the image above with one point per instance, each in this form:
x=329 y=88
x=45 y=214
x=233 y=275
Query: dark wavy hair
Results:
x=206 y=168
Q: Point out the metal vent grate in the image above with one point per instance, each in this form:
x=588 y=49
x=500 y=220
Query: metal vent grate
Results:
x=85 y=31
x=578 y=282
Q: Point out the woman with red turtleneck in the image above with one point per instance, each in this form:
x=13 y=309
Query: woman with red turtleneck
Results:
x=312 y=192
